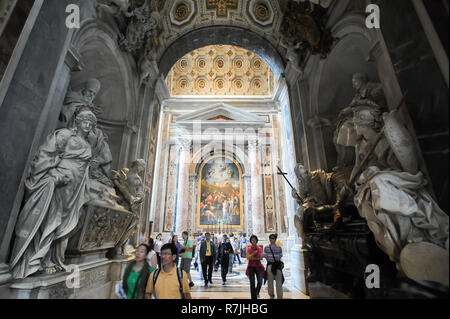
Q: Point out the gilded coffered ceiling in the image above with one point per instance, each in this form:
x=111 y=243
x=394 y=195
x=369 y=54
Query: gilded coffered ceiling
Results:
x=182 y=16
x=221 y=70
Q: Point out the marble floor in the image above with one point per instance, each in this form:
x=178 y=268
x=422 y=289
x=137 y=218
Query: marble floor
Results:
x=238 y=285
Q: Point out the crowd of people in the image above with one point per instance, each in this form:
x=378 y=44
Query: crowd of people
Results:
x=162 y=270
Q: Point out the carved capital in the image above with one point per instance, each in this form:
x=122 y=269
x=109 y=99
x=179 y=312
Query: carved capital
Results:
x=253 y=144
x=184 y=143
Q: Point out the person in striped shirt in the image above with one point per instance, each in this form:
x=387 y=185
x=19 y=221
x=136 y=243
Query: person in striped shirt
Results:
x=273 y=254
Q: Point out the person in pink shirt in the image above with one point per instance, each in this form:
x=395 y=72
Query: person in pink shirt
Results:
x=255 y=268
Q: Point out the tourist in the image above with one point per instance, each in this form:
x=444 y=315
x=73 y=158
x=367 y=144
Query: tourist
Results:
x=136 y=274
x=244 y=246
x=207 y=258
x=178 y=245
x=225 y=249
x=158 y=245
x=273 y=254
x=254 y=267
x=151 y=256
x=236 y=251
x=216 y=248
x=186 y=256
x=168 y=282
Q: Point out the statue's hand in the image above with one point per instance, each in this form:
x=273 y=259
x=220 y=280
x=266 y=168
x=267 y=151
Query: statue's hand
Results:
x=94 y=164
x=60 y=180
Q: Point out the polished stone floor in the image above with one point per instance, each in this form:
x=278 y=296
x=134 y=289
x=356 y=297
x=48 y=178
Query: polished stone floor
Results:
x=238 y=285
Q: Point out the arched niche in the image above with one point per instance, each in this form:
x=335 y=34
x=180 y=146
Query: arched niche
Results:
x=332 y=88
x=220 y=35
x=101 y=58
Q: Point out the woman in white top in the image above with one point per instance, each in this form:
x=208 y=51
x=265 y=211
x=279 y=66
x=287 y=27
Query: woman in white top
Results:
x=158 y=245
x=151 y=256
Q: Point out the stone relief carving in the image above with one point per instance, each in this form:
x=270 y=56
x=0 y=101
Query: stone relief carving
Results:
x=303 y=30
x=104 y=228
x=139 y=24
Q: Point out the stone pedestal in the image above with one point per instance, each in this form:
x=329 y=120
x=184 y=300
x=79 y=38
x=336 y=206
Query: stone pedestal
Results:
x=95 y=280
x=298 y=269
x=90 y=275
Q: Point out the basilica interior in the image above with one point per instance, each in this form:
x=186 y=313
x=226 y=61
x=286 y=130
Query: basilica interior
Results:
x=322 y=121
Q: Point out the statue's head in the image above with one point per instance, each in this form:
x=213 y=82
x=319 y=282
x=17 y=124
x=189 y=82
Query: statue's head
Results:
x=359 y=79
x=366 y=119
x=86 y=121
x=139 y=165
x=300 y=171
x=91 y=89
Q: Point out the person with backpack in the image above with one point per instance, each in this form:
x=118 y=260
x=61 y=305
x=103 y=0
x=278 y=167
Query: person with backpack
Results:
x=273 y=254
x=169 y=281
x=136 y=275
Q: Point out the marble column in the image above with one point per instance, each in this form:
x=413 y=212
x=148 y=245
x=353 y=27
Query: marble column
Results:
x=257 y=210
x=182 y=210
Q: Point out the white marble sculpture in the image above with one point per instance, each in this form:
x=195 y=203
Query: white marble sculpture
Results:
x=391 y=195
x=57 y=189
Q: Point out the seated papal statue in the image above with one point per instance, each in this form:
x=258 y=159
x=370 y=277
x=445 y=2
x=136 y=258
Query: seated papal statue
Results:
x=56 y=190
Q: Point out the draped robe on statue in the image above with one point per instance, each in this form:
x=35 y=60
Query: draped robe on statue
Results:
x=398 y=208
x=51 y=212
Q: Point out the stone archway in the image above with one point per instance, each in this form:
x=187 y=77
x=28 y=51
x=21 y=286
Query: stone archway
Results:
x=222 y=35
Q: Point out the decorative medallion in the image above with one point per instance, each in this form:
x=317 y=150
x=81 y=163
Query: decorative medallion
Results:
x=181 y=12
x=261 y=12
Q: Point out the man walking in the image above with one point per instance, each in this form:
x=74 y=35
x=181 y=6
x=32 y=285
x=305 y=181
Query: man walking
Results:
x=207 y=258
x=186 y=256
x=225 y=249
x=168 y=282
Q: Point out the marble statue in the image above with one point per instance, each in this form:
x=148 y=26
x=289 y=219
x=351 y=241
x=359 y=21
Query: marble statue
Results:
x=144 y=19
x=344 y=138
x=56 y=190
x=74 y=103
x=367 y=93
x=391 y=196
x=77 y=101
x=130 y=188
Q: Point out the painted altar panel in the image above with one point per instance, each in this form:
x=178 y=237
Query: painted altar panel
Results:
x=220 y=193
